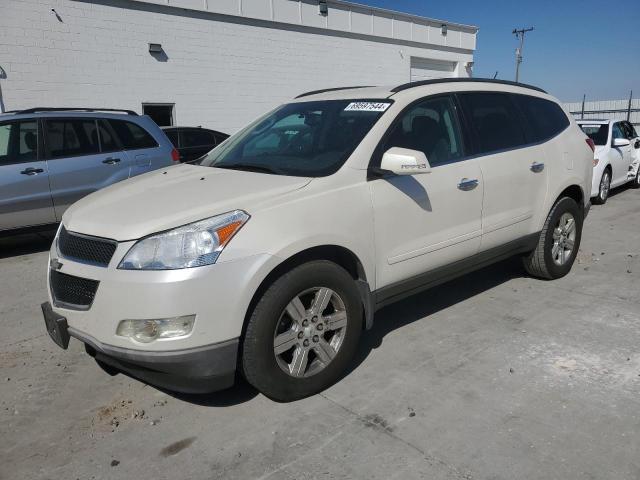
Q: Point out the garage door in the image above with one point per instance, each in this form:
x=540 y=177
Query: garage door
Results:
x=428 y=68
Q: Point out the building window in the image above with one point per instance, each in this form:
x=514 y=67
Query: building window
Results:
x=161 y=113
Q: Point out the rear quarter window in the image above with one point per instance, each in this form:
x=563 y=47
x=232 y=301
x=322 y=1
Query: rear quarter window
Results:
x=546 y=119
x=132 y=136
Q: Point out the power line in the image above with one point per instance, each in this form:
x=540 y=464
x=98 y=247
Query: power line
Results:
x=519 y=33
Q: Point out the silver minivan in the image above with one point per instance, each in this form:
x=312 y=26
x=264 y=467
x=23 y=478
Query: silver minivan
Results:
x=49 y=158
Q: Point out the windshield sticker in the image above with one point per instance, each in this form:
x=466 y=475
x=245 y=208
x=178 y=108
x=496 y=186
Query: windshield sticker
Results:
x=367 y=107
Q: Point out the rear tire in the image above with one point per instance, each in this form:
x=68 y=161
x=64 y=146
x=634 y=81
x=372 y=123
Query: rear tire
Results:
x=303 y=332
x=559 y=241
x=604 y=188
x=635 y=183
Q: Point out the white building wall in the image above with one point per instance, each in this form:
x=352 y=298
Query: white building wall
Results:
x=221 y=71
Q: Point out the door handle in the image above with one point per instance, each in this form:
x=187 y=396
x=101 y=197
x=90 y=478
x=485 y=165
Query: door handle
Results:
x=536 y=167
x=111 y=161
x=32 y=171
x=466 y=184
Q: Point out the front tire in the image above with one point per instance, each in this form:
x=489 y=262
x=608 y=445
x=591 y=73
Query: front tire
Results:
x=559 y=241
x=605 y=187
x=303 y=332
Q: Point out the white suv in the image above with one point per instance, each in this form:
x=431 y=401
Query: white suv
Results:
x=616 y=157
x=271 y=256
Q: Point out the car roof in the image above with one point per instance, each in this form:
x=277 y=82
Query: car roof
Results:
x=175 y=127
x=441 y=84
x=66 y=113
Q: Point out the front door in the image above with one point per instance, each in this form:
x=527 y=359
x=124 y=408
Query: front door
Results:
x=77 y=164
x=25 y=198
x=426 y=221
x=621 y=156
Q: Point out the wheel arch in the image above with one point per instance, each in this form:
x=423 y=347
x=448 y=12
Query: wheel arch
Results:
x=340 y=255
x=572 y=191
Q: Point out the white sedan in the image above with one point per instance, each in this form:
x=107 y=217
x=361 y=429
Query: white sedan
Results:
x=616 y=157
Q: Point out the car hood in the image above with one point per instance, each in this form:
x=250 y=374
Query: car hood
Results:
x=171 y=197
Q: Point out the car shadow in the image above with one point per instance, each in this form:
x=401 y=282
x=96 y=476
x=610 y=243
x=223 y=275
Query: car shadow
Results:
x=429 y=302
x=25 y=244
x=388 y=319
x=621 y=189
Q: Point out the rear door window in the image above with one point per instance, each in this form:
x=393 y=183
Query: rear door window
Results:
x=173 y=137
x=545 y=119
x=197 y=138
x=71 y=137
x=495 y=121
x=220 y=137
x=108 y=142
x=18 y=142
x=132 y=136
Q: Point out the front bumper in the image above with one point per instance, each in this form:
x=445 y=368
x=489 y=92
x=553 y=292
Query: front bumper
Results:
x=195 y=370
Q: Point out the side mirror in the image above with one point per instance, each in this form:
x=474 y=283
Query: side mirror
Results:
x=620 y=142
x=403 y=161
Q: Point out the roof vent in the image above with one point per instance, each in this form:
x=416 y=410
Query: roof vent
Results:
x=323 y=8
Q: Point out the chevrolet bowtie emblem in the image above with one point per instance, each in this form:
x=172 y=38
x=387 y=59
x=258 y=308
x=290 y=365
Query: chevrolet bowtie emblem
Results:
x=55 y=264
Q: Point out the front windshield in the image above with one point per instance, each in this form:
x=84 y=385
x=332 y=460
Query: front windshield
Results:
x=597 y=132
x=308 y=139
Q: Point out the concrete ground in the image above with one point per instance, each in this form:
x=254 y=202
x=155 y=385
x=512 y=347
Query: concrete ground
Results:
x=493 y=376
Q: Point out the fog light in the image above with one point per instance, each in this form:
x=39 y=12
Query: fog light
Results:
x=146 y=331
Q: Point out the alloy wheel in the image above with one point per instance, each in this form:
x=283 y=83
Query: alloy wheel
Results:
x=310 y=332
x=605 y=186
x=564 y=237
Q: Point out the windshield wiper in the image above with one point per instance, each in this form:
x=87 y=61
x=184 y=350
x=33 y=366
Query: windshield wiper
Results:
x=249 y=167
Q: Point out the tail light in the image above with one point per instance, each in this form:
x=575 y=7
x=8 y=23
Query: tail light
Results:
x=175 y=156
x=591 y=144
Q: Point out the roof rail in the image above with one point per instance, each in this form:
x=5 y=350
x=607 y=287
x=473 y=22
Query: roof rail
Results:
x=79 y=109
x=335 y=89
x=435 y=81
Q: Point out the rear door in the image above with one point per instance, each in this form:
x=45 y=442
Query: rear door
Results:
x=515 y=177
x=195 y=142
x=25 y=198
x=141 y=148
x=77 y=163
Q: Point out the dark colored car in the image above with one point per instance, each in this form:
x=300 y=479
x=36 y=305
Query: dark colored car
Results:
x=193 y=142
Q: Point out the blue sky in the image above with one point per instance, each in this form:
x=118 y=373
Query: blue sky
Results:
x=587 y=46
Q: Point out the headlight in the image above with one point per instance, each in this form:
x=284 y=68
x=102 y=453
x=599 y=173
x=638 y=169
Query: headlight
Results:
x=192 y=245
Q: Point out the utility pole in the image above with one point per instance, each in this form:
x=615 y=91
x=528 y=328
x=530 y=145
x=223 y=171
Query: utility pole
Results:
x=519 y=33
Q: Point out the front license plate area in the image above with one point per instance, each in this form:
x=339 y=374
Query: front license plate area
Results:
x=56 y=326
